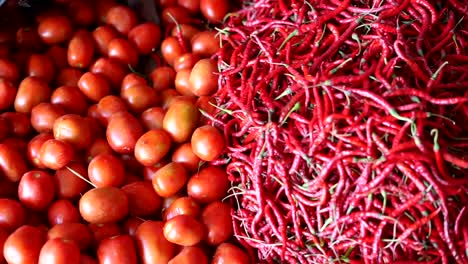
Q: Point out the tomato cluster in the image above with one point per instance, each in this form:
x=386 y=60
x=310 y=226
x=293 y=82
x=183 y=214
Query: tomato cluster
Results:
x=100 y=163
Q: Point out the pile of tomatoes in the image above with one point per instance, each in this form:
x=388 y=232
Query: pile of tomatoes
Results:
x=100 y=163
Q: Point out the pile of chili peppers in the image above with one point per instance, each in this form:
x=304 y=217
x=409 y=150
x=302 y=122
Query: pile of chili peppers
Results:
x=346 y=124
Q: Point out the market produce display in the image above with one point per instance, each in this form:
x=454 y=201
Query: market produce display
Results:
x=346 y=129
x=104 y=155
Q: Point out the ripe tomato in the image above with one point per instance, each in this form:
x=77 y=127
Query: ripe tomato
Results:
x=7 y=94
x=24 y=245
x=182 y=84
x=122 y=50
x=104 y=231
x=122 y=18
x=102 y=37
x=123 y=131
x=44 y=115
x=132 y=79
x=12 y=163
x=214 y=10
x=153 y=247
x=12 y=214
x=103 y=205
x=186 y=61
x=139 y=97
x=67 y=184
x=175 y=14
x=207 y=142
x=62 y=211
x=94 y=86
x=208 y=185
x=55 y=29
x=59 y=251
x=58 y=54
x=152 y=146
x=117 y=249
x=31 y=92
x=171 y=49
x=184 y=230
x=187 y=31
x=9 y=70
x=106 y=170
x=73 y=129
x=81 y=13
x=216 y=217
x=181 y=120
x=193 y=6
x=146 y=37
x=55 y=154
x=76 y=232
x=205 y=44
x=81 y=49
x=190 y=255
x=68 y=77
x=41 y=66
x=113 y=70
x=152 y=118
x=169 y=180
x=36 y=190
x=182 y=206
x=203 y=77
x=163 y=78
x=228 y=253
x=108 y=106
x=143 y=200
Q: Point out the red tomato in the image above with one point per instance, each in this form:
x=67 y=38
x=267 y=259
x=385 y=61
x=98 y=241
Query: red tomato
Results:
x=58 y=54
x=94 y=86
x=102 y=37
x=76 y=232
x=183 y=230
x=59 y=251
x=203 y=78
x=68 y=76
x=67 y=184
x=44 y=115
x=186 y=61
x=123 y=131
x=62 y=211
x=208 y=185
x=31 y=92
x=104 y=231
x=12 y=215
x=152 y=118
x=55 y=154
x=214 y=10
x=81 y=49
x=142 y=198
x=73 y=129
x=153 y=248
x=123 y=51
x=216 y=217
x=182 y=206
x=112 y=69
x=24 y=245
x=181 y=120
x=117 y=249
x=227 y=253
x=34 y=148
x=36 y=190
x=187 y=31
x=103 y=205
x=132 y=79
x=191 y=5
x=41 y=66
x=207 y=142
x=139 y=97
x=171 y=49
x=169 y=180
x=122 y=18
x=205 y=44
x=7 y=94
x=182 y=84
x=55 y=29
x=185 y=156
x=106 y=170
x=81 y=13
x=12 y=163
x=9 y=70
x=175 y=14
x=146 y=37
x=163 y=78
x=152 y=146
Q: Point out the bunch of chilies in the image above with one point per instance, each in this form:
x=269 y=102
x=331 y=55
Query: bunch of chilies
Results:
x=346 y=127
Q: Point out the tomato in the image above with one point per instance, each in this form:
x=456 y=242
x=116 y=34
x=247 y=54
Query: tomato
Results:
x=182 y=84
x=70 y=99
x=7 y=94
x=34 y=148
x=169 y=180
x=117 y=249
x=77 y=232
x=44 y=115
x=102 y=9
x=12 y=214
x=187 y=31
x=146 y=37
x=41 y=66
x=99 y=146
x=106 y=170
x=62 y=211
x=12 y=163
x=152 y=146
x=55 y=29
x=190 y=255
x=58 y=55
x=216 y=217
x=67 y=184
x=184 y=230
x=152 y=118
x=139 y=97
x=207 y=142
x=36 y=190
x=59 y=251
x=184 y=155
x=131 y=225
x=73 y=129
x=214 y=10
x=24 y=245
x=149 y=171
x=81 y=49
x=108 y=106
x=9 y=70
x=143 y=200
x=104 y=231
x=113 y=70
x=122 y=18
x=132 y=79
x=175 y=14
x=186 y=61
x=227 y=253
x=103 y=35
x=123 y=131
x=171 y=49
x=31 y=92
x=153 y=248
x=81 y=13
x=103 y=205
x=193 y=6
x=123 y=51
x=180 y=120
x=94 y=86
x=205 y=44
x=162 y=78
x=182 y=206
x=203 y=77
x=68 y=77
x=55 y=154
x=208 y=185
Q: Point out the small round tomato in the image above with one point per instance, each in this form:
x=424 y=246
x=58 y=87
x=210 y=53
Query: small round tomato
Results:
x=208 y=185
x=108 y=106
x=184 y=155
x=76 y=232
x=132 y=79
x=182 y=84
x=122 y=18
x=152 y=118
x=104 y=231
x=81 y=49
x=182 y=206
x=204 y=77
x=153 y=247
x=59 y=250
x=12 y=163
x=123 y=51
x=31 y=92
x=34 y=148
x=205 y=44
x=24 y=245
x=55 y=29
x=169 y=180
x=70 y=99
x=103 y=205
x=112 y=69
x=123 y=131
x=143 y=200
x=55 y=154
x=62 y=211
x=94 y=86
x=73 y=129
x=7 y=94
x=186 y=61
x=102 y=9
x=99 y=146
x=139 y=97
x=190 y=255
x=152 y=146
x=68 y=76
x=106 y=170
x=207 y=142
x=117 y=249
x=216 y=217
x=184 y=230
x=145 y=37
x=67 y=184
x=171 y=49
x=228 y=253
x=214 y=10
x=12 y=214
x=163 y=78
x=36 y=190
x=103 y=35
x=180 y=120
x=44 y=115
x=41 y=66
